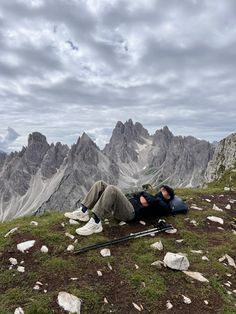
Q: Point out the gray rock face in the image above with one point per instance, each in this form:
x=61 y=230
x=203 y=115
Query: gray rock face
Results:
x=223 y=159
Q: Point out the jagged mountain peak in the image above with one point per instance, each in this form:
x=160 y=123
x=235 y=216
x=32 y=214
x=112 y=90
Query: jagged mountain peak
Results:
x=37 y=137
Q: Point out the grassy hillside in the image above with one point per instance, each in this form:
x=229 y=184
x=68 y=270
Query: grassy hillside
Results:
x=127 y=276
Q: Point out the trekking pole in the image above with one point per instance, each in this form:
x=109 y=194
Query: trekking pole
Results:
x=162 y=227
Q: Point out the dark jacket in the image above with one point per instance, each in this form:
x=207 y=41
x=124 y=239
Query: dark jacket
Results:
x=158 y=205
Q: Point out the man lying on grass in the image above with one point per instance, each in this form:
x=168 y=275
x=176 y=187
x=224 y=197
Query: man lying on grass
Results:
x=106 y=200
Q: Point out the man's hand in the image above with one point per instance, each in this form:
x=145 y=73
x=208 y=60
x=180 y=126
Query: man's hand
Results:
x=143 y=201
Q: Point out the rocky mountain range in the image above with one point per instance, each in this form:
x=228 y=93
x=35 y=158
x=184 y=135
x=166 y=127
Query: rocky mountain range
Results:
x=45 y=177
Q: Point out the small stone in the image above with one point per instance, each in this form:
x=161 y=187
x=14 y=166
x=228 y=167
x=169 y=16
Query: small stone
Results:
x=196 y=275
x=157 y=246
x=109 y=266
x=69 y=302
x=169 y=305
x=99 y=273
x=76 y=241
x=158 y=264
x=227 y=284
x=45 y=290
x=142 y=222
x=10 y=232
x=197 y=251
x=216 y=219
x=207 y=200
x=206 y=302
x=186 y=299
x=44 y=249
x=137 y=307
x=10 y=267
x=217 y=208
x=34 y=223
x=21 y=269
x=226 y=188
x=63 y=224
x=234 y=291
x=228 y=275
x=19 y=310
x=205 y=258
x=176 y=261
x=36 y=287
x=228 y=206
x=122 y=223
x=70 y=248
x=69 y=235
x=196 y=207
x=105 y=300
x=136 y=266
x=105 y=252
x=13 y=260
x=171 y=231
x=229 y=259
x=73 y=222
x=193 y=222
x=220 y=228
x=23 y=246
x=74 y=278
x=179 y=240
x=39 y=283
x=229 y=292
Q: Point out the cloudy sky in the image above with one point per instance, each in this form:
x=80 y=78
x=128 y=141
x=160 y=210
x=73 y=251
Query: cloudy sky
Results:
x=68 y=66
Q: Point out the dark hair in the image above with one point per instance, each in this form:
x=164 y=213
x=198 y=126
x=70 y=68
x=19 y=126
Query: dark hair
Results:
x=169 y=190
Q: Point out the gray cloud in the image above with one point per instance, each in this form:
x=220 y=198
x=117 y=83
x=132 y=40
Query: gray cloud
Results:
x=73 y=66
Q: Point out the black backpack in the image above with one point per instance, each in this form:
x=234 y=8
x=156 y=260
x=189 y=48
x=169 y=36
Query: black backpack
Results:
x=178 y=206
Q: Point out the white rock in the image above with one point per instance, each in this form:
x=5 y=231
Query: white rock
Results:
x=205 y=258
x=234 y=232
x=69 y=302
x=226 y=188
x=228 y=275
x=10 y=232
x=217 y=208
x=21 y=269
x=169 y=305
x=229 y=259
x=10 y=267
x=220 y=228
x=158 y=264
x=234 y=291
x=45 y=290
x=171 y=231
x=227 y=284
x=34 y=223
x=19 y=310
x=207 y=200
x=76 y=241
x=39 y=283
x=197 y=251
x=228 y=206
x=23 y=246
x=176 y=261
x=186 y=299
x=216 y=219
x=109 y=266
x=13 y=260
x=44 y=249
x=73 y=222
x=105 y=300
x=142 y=222
x=137 y=307
x=74 y=278
x=67 y=234
x=99 y=273
x=36 y=287
x=206 y=302
x=105 y=252
x=179 y=240
x=70 y=248
x=136 y=266
x=196 y=207
x=122 y=223
x=196 y=275
x=63 y=224
x=157 y=246
x=193 y=222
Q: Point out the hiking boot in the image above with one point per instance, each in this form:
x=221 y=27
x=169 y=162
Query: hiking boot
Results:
x=90 y=228
x=78 y=215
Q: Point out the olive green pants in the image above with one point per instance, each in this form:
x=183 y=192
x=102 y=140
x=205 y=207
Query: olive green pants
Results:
x=107 y=200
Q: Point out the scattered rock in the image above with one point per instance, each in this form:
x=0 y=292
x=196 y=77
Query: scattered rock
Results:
x=13 y=260
x=69 y=302
x=171 y=231
x=217 y=208
x=10 y=232
x=139 y=308
x=34 y=223
x=105 y=300
x=142 y=222
x=197 y=251
x=73 y=222
x=19 y=310
x=36 y=287
x=99 y=273
x=228 y=206
x=105 y=252
x=220 y=228
x=74 y=278
x=193 y=222
x=229 y=259
x=196 y=275
x=176 y=261
x=158 y=264
x=23 y=246
x=63 y=224
x=196 y=207
x=44 y=249
x=157 y=246
x=70 y=248
x=169 y=305
x=69 y=235
x=186 y=299
x=207 y=200
x=205 y=258
x=122 y=223
x=206 y=302
x=179 y=240
x=226 y=188
x=216 y=219
x=109 y=266
x=21 y=269
x=136 y=266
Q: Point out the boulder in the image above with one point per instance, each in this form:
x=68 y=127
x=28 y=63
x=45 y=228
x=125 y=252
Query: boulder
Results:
x=69 y=302
x=176 y=261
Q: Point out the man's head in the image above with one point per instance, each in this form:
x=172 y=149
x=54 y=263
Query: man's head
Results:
x=167 y=192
